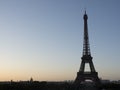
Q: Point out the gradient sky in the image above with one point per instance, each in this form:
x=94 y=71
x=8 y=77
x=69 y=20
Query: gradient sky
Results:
x=43 y=39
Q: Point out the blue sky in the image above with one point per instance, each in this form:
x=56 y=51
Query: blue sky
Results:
x=43 y=39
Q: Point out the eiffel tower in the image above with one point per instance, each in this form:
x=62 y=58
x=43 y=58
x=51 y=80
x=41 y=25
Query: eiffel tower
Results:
x=83 y=75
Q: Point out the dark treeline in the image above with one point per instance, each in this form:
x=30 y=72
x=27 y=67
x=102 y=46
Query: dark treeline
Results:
x=55 y=86
x=34 y=86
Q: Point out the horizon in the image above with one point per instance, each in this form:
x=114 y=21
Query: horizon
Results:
x=43 y=39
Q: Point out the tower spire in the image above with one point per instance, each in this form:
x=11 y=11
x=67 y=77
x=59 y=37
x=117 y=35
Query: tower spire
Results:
x=86 y=47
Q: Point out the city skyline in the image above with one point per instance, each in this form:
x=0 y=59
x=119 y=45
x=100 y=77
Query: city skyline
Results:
x=43 y=39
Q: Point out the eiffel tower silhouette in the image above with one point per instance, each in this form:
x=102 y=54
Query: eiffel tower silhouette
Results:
x=83 y=75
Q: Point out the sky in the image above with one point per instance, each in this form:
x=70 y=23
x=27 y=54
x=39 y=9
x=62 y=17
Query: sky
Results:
x=43 y=39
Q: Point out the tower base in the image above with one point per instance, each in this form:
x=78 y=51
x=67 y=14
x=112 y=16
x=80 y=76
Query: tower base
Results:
x=82 y=76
